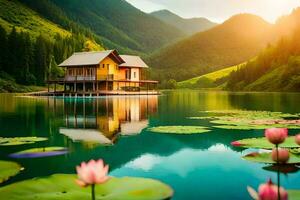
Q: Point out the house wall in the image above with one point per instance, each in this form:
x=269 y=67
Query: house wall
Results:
x=122 y=73
x=135 y=74
x=110 y=67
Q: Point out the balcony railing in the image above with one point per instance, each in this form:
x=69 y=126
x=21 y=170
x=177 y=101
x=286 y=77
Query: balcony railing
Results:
x=109 y=77
x=80 y=78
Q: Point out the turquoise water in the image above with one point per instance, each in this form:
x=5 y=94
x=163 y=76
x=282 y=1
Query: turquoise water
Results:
x=202 y=166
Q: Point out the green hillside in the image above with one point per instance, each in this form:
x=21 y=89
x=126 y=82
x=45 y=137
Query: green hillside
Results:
x=13 y=13
x=188 y=26
x=224 y=45
x=117 y=23
x=210 y=80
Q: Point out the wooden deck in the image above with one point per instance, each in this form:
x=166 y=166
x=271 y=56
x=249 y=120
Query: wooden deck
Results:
x=93 y=94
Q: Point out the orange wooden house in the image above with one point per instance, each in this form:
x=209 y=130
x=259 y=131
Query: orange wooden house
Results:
x=104 y=72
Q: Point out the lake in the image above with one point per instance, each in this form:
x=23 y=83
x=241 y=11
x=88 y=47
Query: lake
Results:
x=199 y=166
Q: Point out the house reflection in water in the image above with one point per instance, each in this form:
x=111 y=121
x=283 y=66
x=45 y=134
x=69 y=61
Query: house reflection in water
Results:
x=101 y=121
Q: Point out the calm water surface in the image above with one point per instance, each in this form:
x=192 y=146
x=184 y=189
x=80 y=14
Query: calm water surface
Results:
x=202 y=166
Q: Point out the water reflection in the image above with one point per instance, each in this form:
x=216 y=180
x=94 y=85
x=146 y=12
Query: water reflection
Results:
x=101 y=121
x=194 y=165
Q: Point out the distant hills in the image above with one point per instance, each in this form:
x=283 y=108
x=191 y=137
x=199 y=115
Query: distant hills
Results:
x=174 y=47
x=117 y=23
x=235 y=41
x=275 y=68
x=188 y=26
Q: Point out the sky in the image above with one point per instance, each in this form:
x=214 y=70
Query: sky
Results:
x=220 y=10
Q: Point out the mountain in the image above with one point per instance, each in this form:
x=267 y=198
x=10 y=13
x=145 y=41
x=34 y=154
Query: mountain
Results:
x=276 y=68
x=116 y=22
x=188 y=26
x=37 y=35
x=235 y=41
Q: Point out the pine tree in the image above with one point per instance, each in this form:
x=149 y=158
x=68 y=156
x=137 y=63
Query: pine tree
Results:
x=12 y=59
x=3 y=49
x=40 y=60
x=26 y=60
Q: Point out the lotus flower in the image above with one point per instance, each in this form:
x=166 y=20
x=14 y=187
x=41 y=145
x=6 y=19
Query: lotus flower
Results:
x=91 y=173
x=276 y=135
x=268 y=191
x=283 y=155
x=297 y=139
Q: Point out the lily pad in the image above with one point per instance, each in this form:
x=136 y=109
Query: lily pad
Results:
x=249 y=120
x=294 y=194
x=184 y=130
x=40 y=152
x=63 y=187
x=263 y=143
x=267 y=158
x=295 y=150
x=8 y=169
x=20 y=140
x=285 y=169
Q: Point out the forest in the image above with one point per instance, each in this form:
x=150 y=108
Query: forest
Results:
x=31 y=61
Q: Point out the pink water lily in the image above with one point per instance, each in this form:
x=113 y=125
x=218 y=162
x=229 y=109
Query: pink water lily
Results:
x=276 y=135
x=297 y=139
x=280 y=155
x=91 y=173
x=268 y=191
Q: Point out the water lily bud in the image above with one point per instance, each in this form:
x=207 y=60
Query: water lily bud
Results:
x=283 y=155
x=297 y=139
x=276 y=135
x=269 y=191
x=236 y=144
x=93 y=172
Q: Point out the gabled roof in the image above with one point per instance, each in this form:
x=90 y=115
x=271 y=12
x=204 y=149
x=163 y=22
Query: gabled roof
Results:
x=90 y=58
x=133 y=61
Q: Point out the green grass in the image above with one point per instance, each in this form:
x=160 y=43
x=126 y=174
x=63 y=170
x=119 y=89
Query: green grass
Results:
x=208 y=78
x=12 y=87
x=268 y=82
x=13 y=13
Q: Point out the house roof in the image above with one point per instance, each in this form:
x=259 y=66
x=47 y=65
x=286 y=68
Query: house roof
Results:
x=133 y=61
x=90 y=58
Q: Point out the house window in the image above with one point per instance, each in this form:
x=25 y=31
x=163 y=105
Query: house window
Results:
x=103 y=66
x=107 y=66
x=134 y=74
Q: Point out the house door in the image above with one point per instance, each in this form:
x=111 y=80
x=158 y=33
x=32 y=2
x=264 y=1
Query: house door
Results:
x=128 y=74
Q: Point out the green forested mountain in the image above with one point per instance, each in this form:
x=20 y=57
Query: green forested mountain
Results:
x=188 y=26
x=38 y=35
x=235 y=41
x=116 y=22
x=277 y=68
